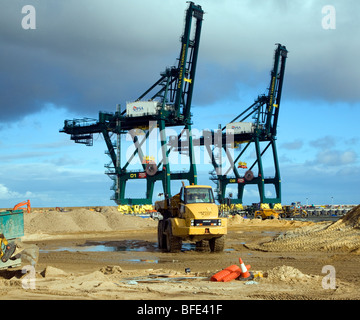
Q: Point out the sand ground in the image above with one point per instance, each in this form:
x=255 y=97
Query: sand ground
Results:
x=92 y=255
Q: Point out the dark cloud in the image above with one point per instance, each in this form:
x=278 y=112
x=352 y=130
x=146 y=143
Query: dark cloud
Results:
x=90 y=55
x=83 y=55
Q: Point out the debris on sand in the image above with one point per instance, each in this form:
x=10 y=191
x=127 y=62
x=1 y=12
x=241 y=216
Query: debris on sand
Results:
x=50 y=271
x=111 y=270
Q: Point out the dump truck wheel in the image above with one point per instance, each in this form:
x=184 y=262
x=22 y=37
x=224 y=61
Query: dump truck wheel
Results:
x=217 y=244
x=173 y=244
x=161 y=235
x=202 y=245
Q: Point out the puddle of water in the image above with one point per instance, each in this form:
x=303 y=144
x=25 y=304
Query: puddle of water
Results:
x=119 y=246
x=98 y=248
x=142 y=260
x=107 y=246
x=186 y=246
x=123 y=245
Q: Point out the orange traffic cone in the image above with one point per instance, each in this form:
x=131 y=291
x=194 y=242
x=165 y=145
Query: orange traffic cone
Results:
x=223 y=273
x=234 y=274
x=245 y=274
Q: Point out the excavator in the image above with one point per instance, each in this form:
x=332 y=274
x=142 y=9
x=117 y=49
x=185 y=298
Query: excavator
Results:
x=24 y=203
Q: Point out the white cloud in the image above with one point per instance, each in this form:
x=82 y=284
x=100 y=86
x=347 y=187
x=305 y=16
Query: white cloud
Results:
x=11 y=198
x=336 y=157
x=5 y=193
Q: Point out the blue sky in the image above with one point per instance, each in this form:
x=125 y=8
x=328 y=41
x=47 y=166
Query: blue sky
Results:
x=87 y=56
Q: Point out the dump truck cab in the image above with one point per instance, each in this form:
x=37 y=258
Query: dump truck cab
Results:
x=191 y=215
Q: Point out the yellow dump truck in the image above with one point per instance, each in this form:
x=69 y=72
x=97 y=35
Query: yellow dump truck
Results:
x=266 y=214
x=294 y=210
x=191 y=215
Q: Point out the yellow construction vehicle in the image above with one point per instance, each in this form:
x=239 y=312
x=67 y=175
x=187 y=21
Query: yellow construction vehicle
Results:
x=191 y=215
x=295 y=209
x=265 y=212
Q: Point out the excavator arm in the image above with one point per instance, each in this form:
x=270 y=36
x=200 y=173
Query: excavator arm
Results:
x=24 y=203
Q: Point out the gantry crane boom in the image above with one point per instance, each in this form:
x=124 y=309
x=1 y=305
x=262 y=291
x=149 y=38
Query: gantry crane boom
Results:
x=275 y=89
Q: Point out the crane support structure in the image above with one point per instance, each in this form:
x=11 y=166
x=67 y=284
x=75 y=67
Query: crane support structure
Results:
x=240 y=135
x=167 y=103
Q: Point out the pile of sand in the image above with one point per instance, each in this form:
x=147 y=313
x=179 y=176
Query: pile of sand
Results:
x=288 y=274
x=238 y=220
x=352 y=218
x=82 y=220
x=342 y=235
